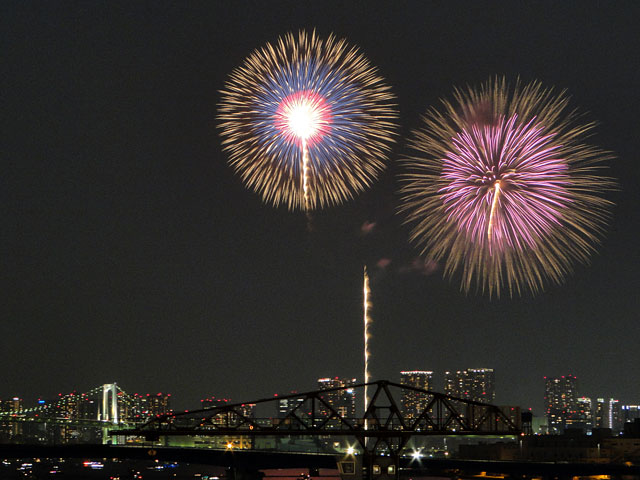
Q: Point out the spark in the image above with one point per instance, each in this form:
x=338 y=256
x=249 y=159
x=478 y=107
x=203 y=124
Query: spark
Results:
x=305 y=174
x=367 y=336
x=493 y=210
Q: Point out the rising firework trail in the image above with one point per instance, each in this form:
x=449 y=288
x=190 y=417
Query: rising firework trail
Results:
x=307 y=122
x=367 y=335
x=503 y=189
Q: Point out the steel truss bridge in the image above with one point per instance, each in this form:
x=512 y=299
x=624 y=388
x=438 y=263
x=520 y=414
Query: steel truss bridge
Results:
x=314 y=413
x=383 y=429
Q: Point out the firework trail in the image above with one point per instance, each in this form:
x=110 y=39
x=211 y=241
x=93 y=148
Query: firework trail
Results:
x=503 y=189
x=306 y=122
x=367 y=335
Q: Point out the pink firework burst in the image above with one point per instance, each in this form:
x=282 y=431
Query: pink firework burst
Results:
x=504 y=190
x=512 y=170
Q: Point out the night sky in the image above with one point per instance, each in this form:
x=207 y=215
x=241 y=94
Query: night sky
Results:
x=132 y=253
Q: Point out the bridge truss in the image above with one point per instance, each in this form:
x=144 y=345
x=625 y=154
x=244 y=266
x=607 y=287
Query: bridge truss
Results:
x=383 y=429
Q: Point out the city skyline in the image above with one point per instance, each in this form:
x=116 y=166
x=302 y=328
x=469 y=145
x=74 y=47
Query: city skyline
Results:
x=461 y=384
x=566 y=413
x=132 y=252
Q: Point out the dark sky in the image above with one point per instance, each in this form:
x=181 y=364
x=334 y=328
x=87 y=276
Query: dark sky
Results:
x=132 y=253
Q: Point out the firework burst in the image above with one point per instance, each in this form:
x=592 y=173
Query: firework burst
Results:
x=503 y=189
x=306 y=122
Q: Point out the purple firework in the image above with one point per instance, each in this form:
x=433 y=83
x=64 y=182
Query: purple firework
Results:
x=503 y=190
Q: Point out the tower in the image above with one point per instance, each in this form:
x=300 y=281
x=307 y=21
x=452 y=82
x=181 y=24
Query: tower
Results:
x=413 y=403
x=109 y=412
x=561 y=402
x=344 y=400
x=477 y=384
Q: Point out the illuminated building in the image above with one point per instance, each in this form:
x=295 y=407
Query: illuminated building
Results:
x=343 y=401
x=454 y=383
x=89 y=409
x=477 y=384
x=514 y=414
x=608 y=414
x=614 y=415
x=600 y=414
x=286 y=405
x=8 y=430
x=68 y=410
x=561 y=402
x=13 y=405
x=149 y=405
x=234 y=416
x=68 y=407
x=246 y=409
x=412 y=402
x=582 y=416
x=630 y=413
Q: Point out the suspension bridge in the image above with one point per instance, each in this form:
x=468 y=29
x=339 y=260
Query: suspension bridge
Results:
x=68 y=417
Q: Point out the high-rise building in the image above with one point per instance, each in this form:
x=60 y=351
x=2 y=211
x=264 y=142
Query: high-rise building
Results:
x=582 y=416
x=608 y=414
x=454 y=383
x=477 y=384
x=13 y=405
x=600 y=414
x=8 y=430
x=149 y=405
x=515 y=415
x=246 y=410
x=630 y=413
x=481 y=384
x=228 y=418
x=614 y=415
x=286 y=405
x=413 y=402
x=343 y=400
x=561 y=402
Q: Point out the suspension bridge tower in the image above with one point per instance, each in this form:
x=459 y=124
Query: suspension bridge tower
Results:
x=109 y=410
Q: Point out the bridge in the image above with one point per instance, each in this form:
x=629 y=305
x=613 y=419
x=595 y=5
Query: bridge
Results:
x=314 y=423
x=312 y=413
x=60 y=420
x=369 y=446
x=324 y=434
x=383 y=428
